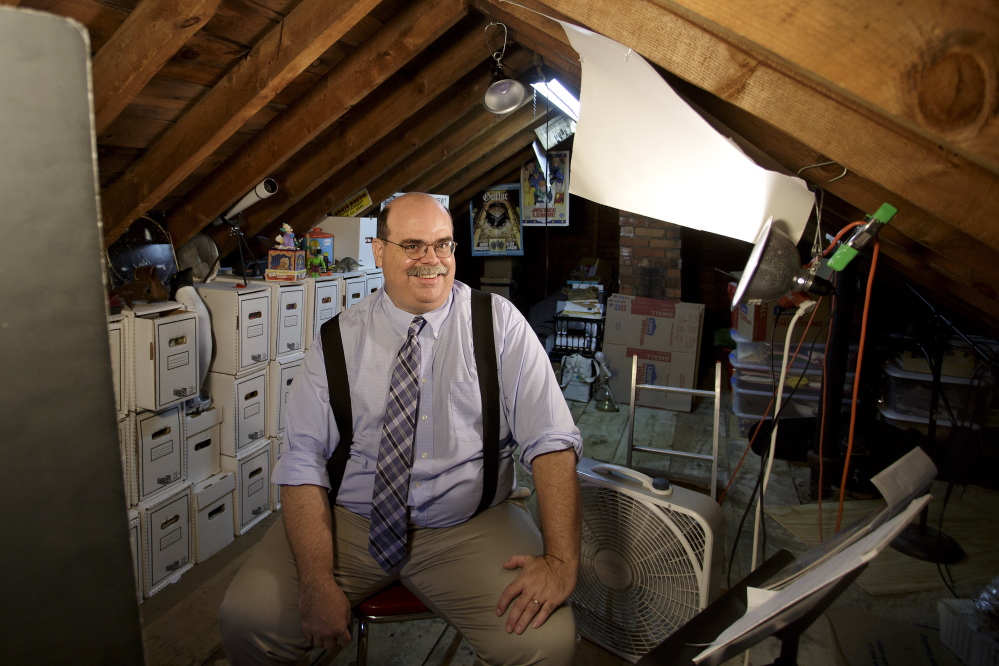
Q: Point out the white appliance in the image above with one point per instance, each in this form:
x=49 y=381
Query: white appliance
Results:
x=651 y=558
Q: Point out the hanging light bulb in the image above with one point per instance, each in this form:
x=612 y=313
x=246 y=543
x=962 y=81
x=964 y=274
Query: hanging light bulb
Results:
x=504 y=94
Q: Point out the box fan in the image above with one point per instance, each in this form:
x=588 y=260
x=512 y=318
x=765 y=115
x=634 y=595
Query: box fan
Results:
x=651 y=558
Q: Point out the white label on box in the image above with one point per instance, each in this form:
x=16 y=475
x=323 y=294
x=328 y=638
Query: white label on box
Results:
x=178 y=360
x=252 y=410
x=326 y=313
x=170 y=539
x=255 y=487
x=164 y=449
x=291 y=320
x=255 y=331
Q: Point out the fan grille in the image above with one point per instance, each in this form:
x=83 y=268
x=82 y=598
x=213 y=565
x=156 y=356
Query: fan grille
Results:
x=637 y=581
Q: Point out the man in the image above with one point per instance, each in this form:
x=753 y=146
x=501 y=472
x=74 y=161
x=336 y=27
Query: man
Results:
x=491 y=575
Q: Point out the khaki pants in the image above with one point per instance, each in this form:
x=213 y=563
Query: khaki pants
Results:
x=456 y=571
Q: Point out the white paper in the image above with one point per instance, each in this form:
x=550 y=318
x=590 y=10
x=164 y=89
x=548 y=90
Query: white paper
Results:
x=640 y=148
x=822 y=576
x=907 y=476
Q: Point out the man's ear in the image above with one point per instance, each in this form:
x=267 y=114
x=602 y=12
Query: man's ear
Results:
x=377 y=247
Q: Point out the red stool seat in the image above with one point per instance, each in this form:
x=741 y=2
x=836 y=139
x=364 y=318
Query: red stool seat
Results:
x=396 y=599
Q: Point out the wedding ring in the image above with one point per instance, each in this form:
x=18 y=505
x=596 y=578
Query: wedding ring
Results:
x=537 y=602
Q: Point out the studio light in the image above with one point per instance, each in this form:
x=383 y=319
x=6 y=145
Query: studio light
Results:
x=504 y=94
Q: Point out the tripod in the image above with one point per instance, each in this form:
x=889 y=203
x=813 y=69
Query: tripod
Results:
x=235 y=231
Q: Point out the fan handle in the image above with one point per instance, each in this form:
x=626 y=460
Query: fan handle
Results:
x=660 y=486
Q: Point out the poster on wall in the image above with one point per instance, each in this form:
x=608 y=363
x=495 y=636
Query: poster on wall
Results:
x=545 y=190
x=496 y=226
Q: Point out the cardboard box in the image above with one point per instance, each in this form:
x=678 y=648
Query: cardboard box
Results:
x=204 y=444
x=166 y=539
x=279 y=377
x=285 y=265
x=323 y=300
x=355 y=288
x=165 y=357
x=245 y=398
x=352 y=237
x=754 y=322
x=253 y=479
x=288 y=315
x=373 y=280
x=159 y=452
x=121 y=366
x=497 y=267
x=241 y=324
x=126 y=449
x=497 y=285
x=653 y=324
x=662 y=368
x=135 y=541
x=212 y=506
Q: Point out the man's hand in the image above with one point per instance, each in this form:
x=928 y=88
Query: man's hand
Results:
x=543 y=585
x=325 y=615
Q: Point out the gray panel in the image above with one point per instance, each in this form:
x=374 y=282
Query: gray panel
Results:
x=67 y=586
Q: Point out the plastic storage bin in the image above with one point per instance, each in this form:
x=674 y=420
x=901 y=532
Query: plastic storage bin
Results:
x=811 y=354
x=909 y=393
x=749 y=377
x=918 y=423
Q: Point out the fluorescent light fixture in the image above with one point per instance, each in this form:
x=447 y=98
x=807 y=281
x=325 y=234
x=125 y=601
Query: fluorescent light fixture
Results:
x=559 y=96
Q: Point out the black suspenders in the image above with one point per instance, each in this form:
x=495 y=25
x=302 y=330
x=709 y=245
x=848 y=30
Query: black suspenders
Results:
x=484 y=343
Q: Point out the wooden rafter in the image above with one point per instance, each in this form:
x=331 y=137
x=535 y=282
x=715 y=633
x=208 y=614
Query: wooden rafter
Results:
x=307 y=32
x=378 y=57
x=460 y=197
x=325 y=156
x=455 y=179
x=150 y=36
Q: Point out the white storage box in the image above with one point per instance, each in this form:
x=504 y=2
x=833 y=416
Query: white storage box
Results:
x=352 y=237
x=212 y=507
x=287 y=314
x=961 y=631
x=159 y=452
x=241 y=324
x=126 y=448
x=754 y=404
x=121 y=363
x=135 y=541
x=918 y=423
x=373 y=280
x=279 y=377
x=323 y=300
x=253 y=480
x=910 y=392
x=166 y=539
x=277 y=448
x=204 y=444
x=244 y=397
x=811 y=354
x=761 y=378
x=166 y=355
x=355 y=288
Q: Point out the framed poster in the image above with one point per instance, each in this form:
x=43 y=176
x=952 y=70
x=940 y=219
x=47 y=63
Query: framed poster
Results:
x=545 y=190
x=496 y=225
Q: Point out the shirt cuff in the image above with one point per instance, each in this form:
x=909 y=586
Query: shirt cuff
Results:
x=300 y=468
x=549 y=446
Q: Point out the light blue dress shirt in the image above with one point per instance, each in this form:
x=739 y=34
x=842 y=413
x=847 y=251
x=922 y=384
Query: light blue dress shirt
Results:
x=446 y=483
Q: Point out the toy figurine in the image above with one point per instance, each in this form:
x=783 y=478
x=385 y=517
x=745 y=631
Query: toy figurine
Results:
x=316 y=264
x=286 y=240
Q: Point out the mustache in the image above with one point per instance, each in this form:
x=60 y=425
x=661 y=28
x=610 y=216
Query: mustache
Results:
x=427 y=270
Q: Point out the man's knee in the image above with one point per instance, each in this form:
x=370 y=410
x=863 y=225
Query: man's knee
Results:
x=551 y=644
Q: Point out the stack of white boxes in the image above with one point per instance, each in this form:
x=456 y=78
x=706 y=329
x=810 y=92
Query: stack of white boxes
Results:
x=243 y=327
x=352 y=238
x=155 y=368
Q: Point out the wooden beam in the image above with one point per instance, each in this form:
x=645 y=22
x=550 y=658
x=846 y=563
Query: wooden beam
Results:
x=308 y=31
x=457 y=179
x=832 y=123
x=329 y=154
x=493 y=176
x=151 y=35
x=365 y=169
x=940 y=74
x=357 y=75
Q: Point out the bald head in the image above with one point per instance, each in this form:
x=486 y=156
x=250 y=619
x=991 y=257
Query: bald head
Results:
x=410 y=202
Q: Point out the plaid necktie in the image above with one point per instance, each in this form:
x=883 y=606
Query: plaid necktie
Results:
x=389 y=509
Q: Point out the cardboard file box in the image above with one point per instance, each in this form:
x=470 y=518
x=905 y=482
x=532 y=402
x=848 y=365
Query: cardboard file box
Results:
x=204 y=444
x=355 y=288
x=212 y=508
x=135 y=541
x=252 y=469
x=277 y=448
x=351 y=237
x=287 y=315
x=245 y=398
x=165 y=357
x=126 y=448
x=677 y=369
x=241 y=324
x=166 y=539
x=650 y=323
x=373 y=280
x=159 y=452
x=323 y=300
x=121 y=364
x=279 y=377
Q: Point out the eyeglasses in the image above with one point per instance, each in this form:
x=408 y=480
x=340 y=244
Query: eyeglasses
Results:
x=418 y=249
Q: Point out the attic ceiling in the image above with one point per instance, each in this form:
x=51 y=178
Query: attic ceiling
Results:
x=196 y=101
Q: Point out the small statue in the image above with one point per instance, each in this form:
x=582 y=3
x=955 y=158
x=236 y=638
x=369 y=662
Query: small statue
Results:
x=316 y=263
x=348 y=265
x=286 y=239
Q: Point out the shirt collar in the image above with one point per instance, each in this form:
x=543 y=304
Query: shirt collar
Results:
x=401 y=319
